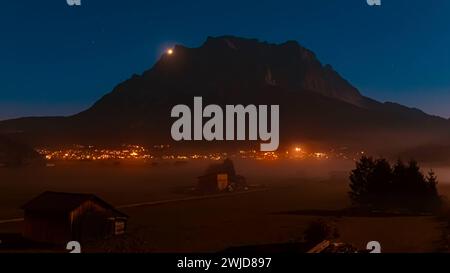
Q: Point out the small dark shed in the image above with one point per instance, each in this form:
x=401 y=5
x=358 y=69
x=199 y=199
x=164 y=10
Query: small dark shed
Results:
x=213 y=182
x=57 y=218
x=221 y=177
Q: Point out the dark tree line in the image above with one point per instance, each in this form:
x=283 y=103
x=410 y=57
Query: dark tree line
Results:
x=376 y=183
x=16 y=154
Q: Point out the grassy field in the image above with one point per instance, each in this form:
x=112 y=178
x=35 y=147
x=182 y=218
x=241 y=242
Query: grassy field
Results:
x=210 y=225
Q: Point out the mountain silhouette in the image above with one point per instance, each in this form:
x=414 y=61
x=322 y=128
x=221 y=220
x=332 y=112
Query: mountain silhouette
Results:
x=317 y=105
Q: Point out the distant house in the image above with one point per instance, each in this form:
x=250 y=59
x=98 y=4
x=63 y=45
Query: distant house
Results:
x=57 y=218
x=221 y=177
x=213 y=182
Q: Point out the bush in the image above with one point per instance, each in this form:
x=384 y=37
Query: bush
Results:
x=377 y=184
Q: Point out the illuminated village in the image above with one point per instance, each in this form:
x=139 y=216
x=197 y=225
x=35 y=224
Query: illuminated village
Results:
x=162 y=152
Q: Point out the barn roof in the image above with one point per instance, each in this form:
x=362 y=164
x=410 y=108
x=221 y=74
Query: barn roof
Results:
x=62 y=202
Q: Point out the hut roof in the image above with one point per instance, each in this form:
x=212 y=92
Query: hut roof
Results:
x=62 y=202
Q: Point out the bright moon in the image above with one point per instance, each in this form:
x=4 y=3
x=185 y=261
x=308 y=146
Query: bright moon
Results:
x=170 y=51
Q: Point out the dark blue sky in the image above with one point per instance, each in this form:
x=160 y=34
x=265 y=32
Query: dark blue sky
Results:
x=58 y=60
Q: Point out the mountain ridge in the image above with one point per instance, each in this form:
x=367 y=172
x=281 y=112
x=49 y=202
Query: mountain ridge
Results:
x=317 y=104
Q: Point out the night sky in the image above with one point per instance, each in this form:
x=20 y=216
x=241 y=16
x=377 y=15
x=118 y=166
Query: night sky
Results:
x=58 y=60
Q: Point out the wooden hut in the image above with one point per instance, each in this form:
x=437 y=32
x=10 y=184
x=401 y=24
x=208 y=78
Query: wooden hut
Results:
x=221 y=177
x=213 y=182
x=57 y=218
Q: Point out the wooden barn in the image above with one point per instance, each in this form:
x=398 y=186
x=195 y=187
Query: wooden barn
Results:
x=221 y=177
x=57 y=218
x=213 y=182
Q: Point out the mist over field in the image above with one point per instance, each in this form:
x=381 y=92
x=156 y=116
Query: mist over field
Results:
x=293 y=193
